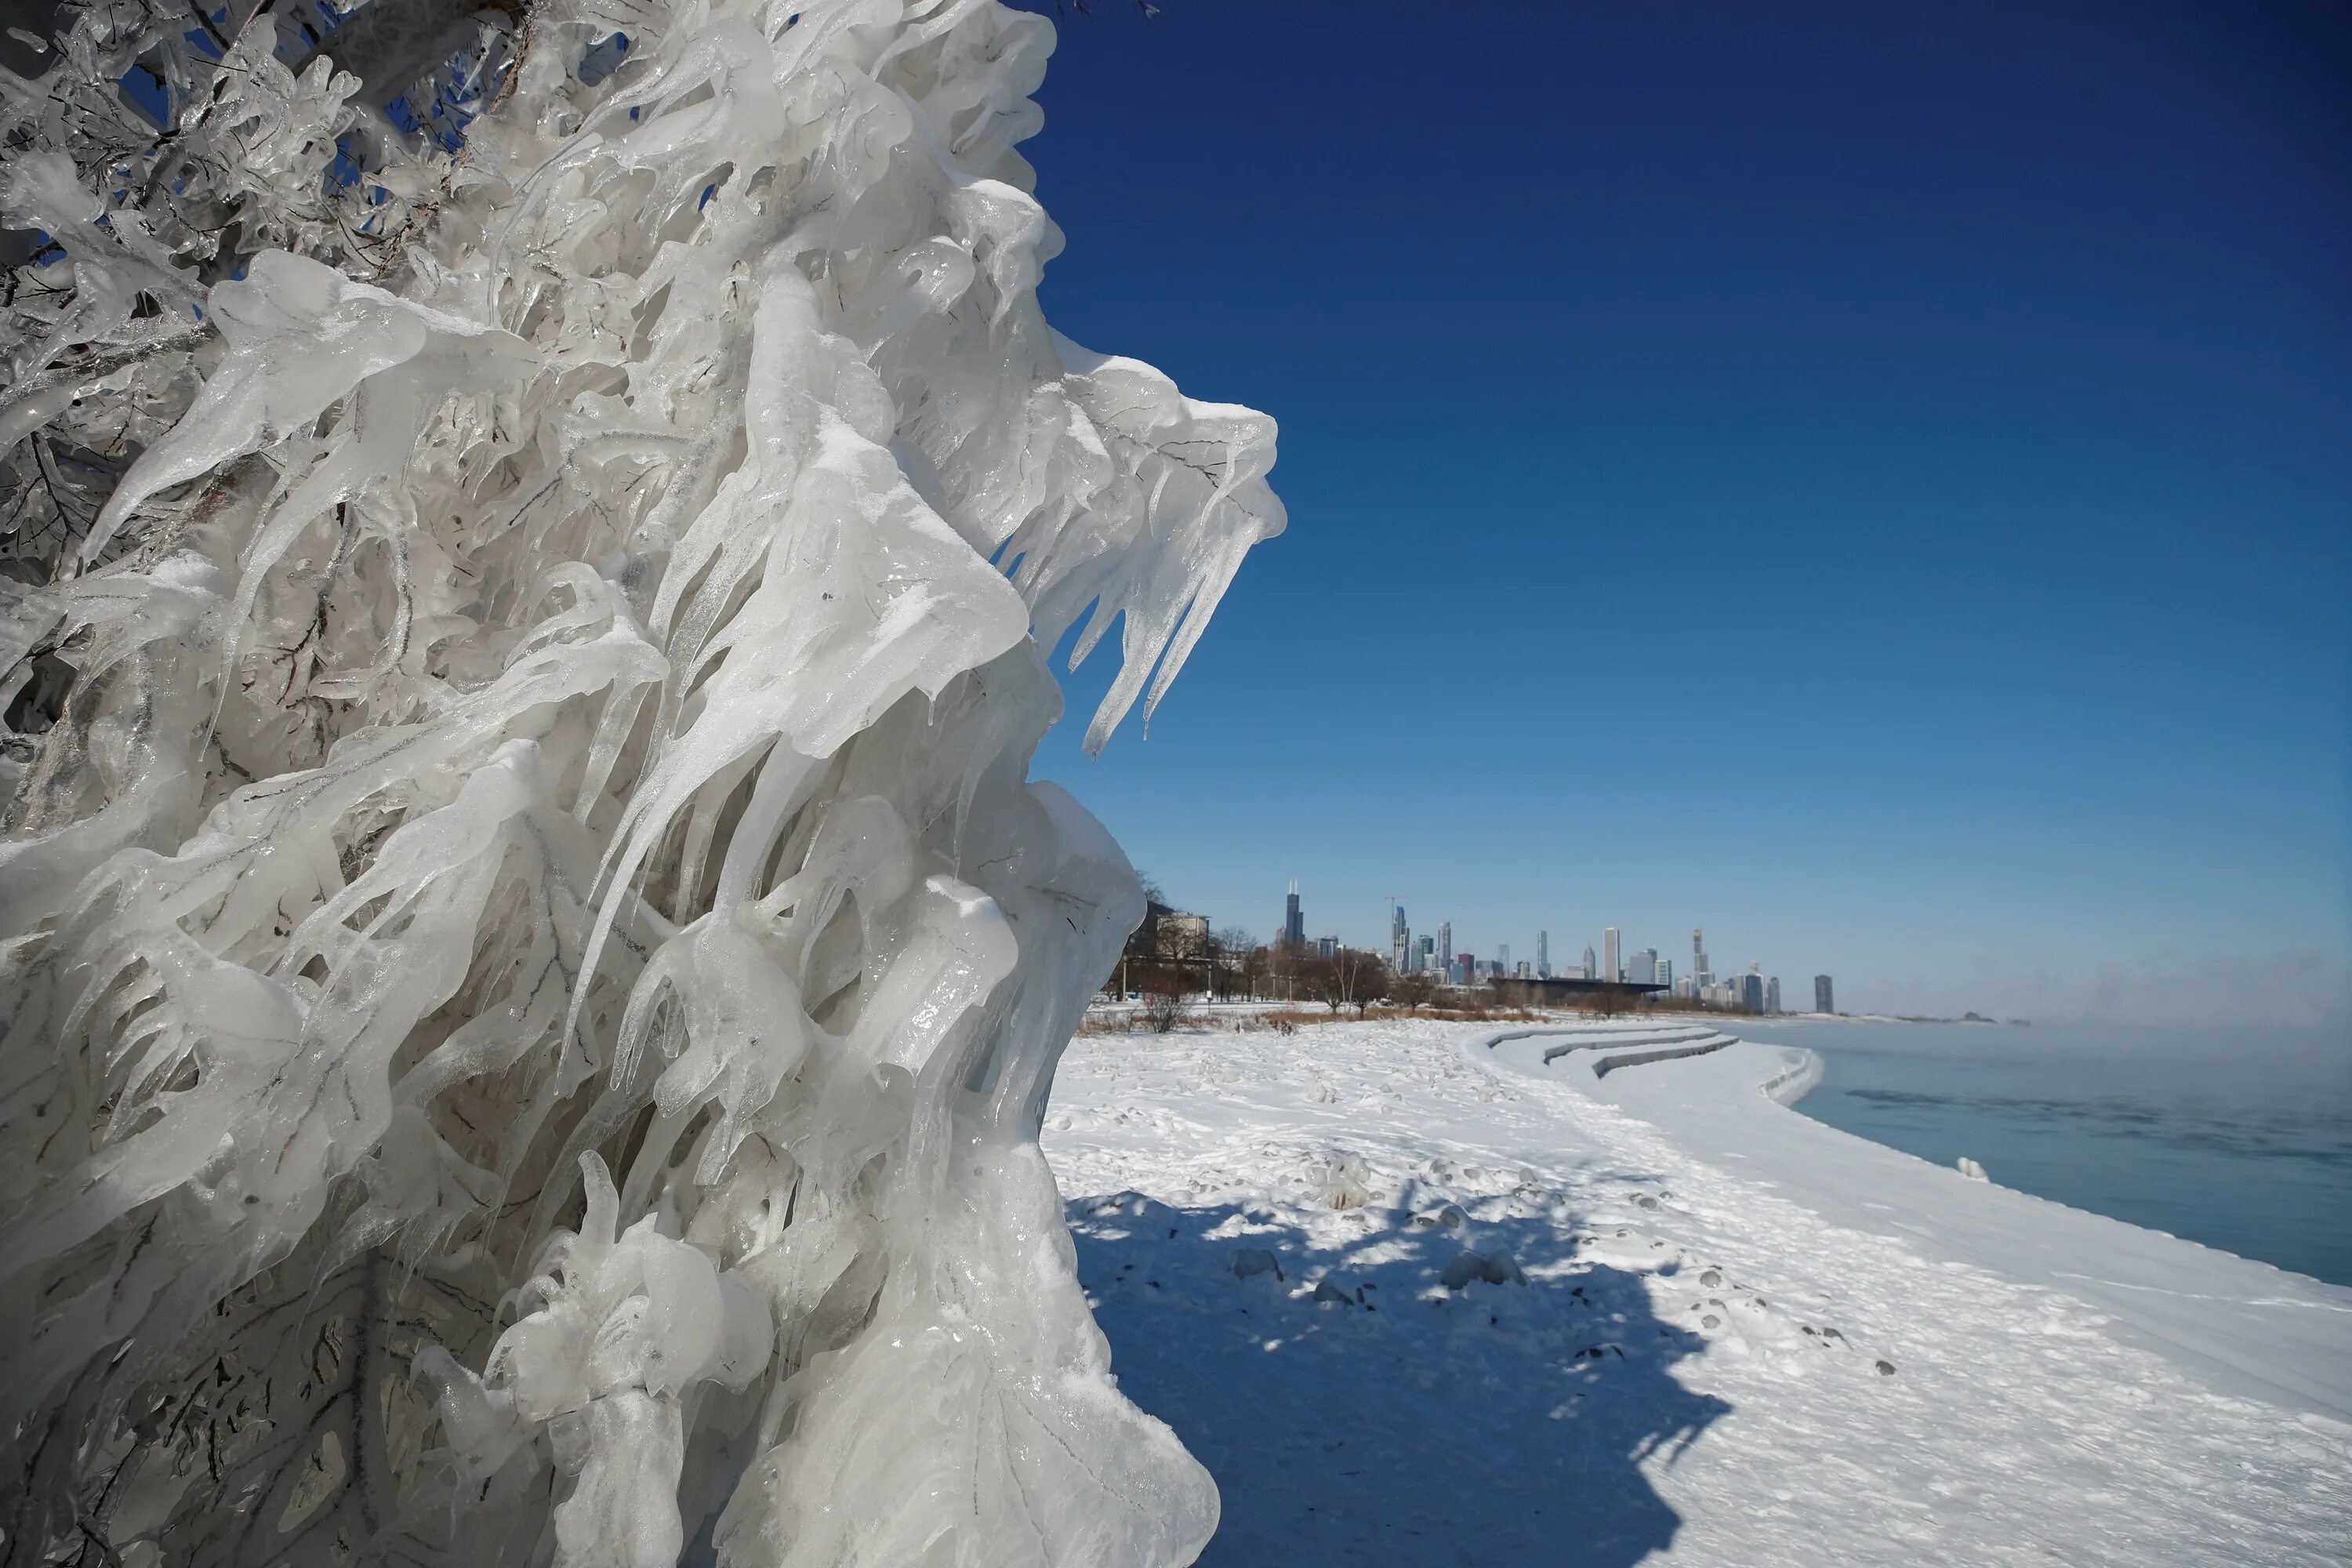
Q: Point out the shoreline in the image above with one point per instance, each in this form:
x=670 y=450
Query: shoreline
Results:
x=2241 y=1326
x=2240 y=1144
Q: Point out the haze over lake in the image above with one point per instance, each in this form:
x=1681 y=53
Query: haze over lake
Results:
x=2240 y=1138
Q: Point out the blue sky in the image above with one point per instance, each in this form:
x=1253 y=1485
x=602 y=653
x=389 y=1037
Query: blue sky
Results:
x=1874 y=482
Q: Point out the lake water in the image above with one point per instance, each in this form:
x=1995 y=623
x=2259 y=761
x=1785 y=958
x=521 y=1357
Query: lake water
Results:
x=2242 y=1142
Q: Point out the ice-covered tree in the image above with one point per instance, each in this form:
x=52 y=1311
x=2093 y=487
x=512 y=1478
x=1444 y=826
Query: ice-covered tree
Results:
x=530 y=963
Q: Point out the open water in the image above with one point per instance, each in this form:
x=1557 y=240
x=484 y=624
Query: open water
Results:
x=2242 y=1142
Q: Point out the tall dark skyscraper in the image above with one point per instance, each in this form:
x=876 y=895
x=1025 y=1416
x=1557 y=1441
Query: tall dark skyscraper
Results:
x=1293 y=922
x=1822 y=1001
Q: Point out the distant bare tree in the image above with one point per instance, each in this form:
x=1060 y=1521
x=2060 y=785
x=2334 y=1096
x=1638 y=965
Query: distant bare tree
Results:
x=1609 y=1001
x=1350 y=977
x=1412 y=990
x=1234 y=949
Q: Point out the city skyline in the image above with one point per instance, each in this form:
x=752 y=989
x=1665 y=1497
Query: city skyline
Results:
x=1408 y=950
x=2303 y=990
x=2309 y=993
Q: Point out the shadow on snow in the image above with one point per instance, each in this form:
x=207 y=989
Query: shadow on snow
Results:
x=1500 y=1423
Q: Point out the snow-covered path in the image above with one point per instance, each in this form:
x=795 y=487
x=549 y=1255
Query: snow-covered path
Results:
x=1692 y=1365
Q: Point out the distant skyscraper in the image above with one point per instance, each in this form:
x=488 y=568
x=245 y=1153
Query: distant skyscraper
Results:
x=1521 y=971
x=1543 y=955
x=1327 y=946
x=1666 y=973
x=1822 y=1002
x=1609 y=969
x=1752 y=990
x=1399 y=939
x=1643 y=970
x=1293 y=922
x=1503 y=956
x=1445 y=945
x=1425 y=956
x=1773 y=994
x=1591 y=963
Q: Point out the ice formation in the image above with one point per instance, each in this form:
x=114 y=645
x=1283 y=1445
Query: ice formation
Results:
x=532 y=962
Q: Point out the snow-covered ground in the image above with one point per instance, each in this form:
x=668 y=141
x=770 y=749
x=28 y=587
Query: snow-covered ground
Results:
x=1695 y=1324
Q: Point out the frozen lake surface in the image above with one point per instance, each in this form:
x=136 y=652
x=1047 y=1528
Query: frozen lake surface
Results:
x=2238 y=1138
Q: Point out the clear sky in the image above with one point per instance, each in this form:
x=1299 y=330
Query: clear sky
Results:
x=1872 y=482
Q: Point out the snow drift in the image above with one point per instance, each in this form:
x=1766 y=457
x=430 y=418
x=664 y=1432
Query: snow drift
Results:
x=532 y=962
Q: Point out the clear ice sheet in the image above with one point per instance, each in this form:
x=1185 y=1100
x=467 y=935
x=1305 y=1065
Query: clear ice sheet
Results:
x=532 y=962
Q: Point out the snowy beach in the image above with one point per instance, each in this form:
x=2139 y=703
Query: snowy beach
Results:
x=1688 y=1322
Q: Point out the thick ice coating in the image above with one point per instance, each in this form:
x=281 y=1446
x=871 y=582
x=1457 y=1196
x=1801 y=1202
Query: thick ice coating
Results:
x=532 y=962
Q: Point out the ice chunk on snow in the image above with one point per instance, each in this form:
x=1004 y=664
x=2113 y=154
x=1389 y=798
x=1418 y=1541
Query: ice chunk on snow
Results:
x=1496 y=1267
x=1345 y=1182
x=1251 y=1261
